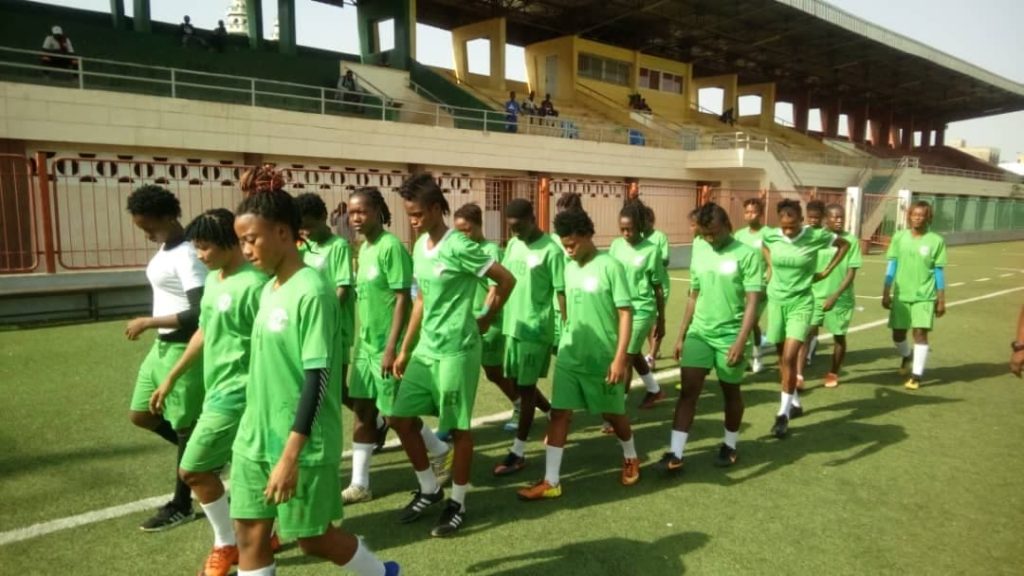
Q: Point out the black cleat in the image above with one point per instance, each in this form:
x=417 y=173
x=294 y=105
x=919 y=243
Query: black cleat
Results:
x=167 y=516
x=796 y=412
x=726 y=456
x=419 y=503
x=382 y=436
x=781 y=426
x=669 y=464
x=451 y=520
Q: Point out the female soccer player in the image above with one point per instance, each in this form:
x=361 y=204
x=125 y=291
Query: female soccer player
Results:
x=917 y=262
x=836 y=292
x=439 y=377
x=751 y=235
x=286 y=453
x=227 y=312
x=660 y=240
x=538 y=265
x=725 y=285
x=644 y=273
x=382 y=287
x=791 y=251
x=176 y=276
x=593 y=363
x=567 y=201
x=330 y=254
x=814 y=216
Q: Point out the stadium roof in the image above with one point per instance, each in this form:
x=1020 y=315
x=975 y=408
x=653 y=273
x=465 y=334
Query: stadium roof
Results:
x=801 y=45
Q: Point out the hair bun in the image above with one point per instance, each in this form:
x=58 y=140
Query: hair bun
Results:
x=261 y=180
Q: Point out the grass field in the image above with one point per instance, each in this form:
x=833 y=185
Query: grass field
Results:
x=874 y=479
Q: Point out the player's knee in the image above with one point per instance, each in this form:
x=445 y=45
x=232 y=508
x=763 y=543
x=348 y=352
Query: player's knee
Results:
x=313 y=546
x=142 y=419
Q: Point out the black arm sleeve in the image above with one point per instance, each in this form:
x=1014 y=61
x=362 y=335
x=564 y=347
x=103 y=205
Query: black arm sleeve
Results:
x=312 y=397
x=188 y=321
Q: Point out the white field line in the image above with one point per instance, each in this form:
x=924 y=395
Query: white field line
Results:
x=982 y=279
x=677 y=279
x=869 y=297
x=1007 y=275
x=51 y=526
x=1010 y=269
x=955 y=284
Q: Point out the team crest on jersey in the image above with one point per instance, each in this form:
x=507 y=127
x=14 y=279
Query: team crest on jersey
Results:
x=372 y=272
x=224 y=302
x=439 y=269
x=316 y=262
x=532 y=261
x=923 y=250
x=278 y=320
x=590 y=284
x=638 y=260
x=758 y=243
x=727 y=267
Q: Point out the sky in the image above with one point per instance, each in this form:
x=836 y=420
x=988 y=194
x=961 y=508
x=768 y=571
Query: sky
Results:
x=985 y=33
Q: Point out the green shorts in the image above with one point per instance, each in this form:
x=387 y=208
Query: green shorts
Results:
x=818 y=313
x=526 y=362
x=183 y=405
x=703 y=352
x=790 y=320
x=907 y=315
x=209 y=447
x=492 y=347
x=316 y=504
x=366 y=382
x=837 y=320
x=641 y=332
x=576 y=391
x=442 y=387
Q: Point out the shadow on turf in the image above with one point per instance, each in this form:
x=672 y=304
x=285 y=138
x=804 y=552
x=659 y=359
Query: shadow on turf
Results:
x=19 y=464
x=605 y=556
x=939 y=376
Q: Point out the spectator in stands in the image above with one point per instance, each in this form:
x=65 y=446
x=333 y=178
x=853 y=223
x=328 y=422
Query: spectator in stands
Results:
x=348 y=89
x=643 y=105
x=220 y=37
x=530 y=107
x=547 y=108
x=57 y=43
x=188 y=33
x=728 y=117
x=512 y=111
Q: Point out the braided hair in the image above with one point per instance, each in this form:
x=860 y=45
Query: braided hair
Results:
x=423 y=189
x=154 y=201
x=572 y=222
x=311 y=205
x=569 y=201
x=261 y=179
x=215 y=227
x=373 y=196
x=470 y=213
x=789 y=206
x=710 y=213
x=636 y=211
x=275 y=206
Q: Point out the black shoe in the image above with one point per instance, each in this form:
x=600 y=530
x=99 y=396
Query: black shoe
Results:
x=451 y=520
x=669 y=464
x=510 y=465
x=167 y=516
x=780 y=427
x=796 y=412
x=382 y=436
x=726 y=456
x=419 y=503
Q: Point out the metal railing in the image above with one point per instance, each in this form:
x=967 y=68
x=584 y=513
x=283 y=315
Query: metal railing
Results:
x=974 y=174
x=19 y=230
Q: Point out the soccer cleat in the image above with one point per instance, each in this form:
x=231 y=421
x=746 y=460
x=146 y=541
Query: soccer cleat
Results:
x=795 y=411
x=669 y=464
x=651 y=398
x=630 y=471
x=912 y=383
x=607 y=429
x=513 y=423
x=382 y=436
x=905 y=365
x=756 y=365
x=540 y=491
x=419 y=503
x=831 y=380
x=781 y=426
x=444 y=435
x=220 y=561
x=451 y=520
x=355 y=494
x=513 y=463
x=392 y=569
x=726 y=456
x=167 y=517
x=442 y=466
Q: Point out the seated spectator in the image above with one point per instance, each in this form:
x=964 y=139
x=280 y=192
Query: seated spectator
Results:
x=634 y=101
x=220 y=37
x=57 y=43
x=728 y=117
x=547 y=108
x=529 y=107
x=512 y=111
x=188 y=33
x=644 y=107
x=348 y=89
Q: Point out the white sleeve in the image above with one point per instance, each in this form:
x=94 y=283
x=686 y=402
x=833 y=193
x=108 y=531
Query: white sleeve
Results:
x=190 y=270
x=50 y=43
x=71 y=49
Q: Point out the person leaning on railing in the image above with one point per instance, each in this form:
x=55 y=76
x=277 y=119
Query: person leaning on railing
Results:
x=57 y=43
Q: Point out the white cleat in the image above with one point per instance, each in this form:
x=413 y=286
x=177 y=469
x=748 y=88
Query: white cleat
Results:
x=355 y=494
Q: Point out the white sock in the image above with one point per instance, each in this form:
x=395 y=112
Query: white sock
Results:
x=518 y=447
x=361 y=454
x=628 y=448
x=364 y=562
x=757 y=352
x=265 y=571
x=731 y=438
x=650 y=383
x=219 y=514
x=517 y=404
x=459 y=493
x=553 y=464
x=920 y=357
x=678 y=442
x=428 y=481
x=787 y=401
x=796 y=399
x=812 y=346
x=903 y=348
x=435 y=447
x=380 y=421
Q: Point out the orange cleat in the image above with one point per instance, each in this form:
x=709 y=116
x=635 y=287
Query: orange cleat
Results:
x=220 y=561
x=630 y=471
x=831 y=380
x=540 y=491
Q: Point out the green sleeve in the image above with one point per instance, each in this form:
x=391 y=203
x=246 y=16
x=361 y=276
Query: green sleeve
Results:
x=470 y=257
x=853 y=257
x=315 y=335
x=556 y=263
x=941 y=260
x=752 y=268
x=341 y=263
x=657 y=269
x=396 y=265
x=893 y=253
x=619 y=286
x=694 y=280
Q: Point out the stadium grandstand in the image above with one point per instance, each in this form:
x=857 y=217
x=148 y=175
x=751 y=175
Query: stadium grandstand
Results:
x=132 y=107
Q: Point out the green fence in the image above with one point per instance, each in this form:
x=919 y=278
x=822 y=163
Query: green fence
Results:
x=974 y=213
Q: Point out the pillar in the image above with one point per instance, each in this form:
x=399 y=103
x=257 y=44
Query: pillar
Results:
x=286 y=26
x=254 y=15
x=801 y=108
x=830 y=119
x=940 y=136
x=142 y=19
x=493 y=30
x=403 y=12
x=117 y=14
x=858 y=124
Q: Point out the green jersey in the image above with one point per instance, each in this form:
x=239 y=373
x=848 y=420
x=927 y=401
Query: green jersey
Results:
x=916 y=258
x=660 y=241
x=226 y=315
x=539 y=270
x=794 y=261
x=493 y=251
x=594 y=294
x=385 y=267
x=828 y=286
x=448 y=276
x=752 y=238
x=296 y=329
x=333 y=258
x=723 y=278
x=644 y=271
